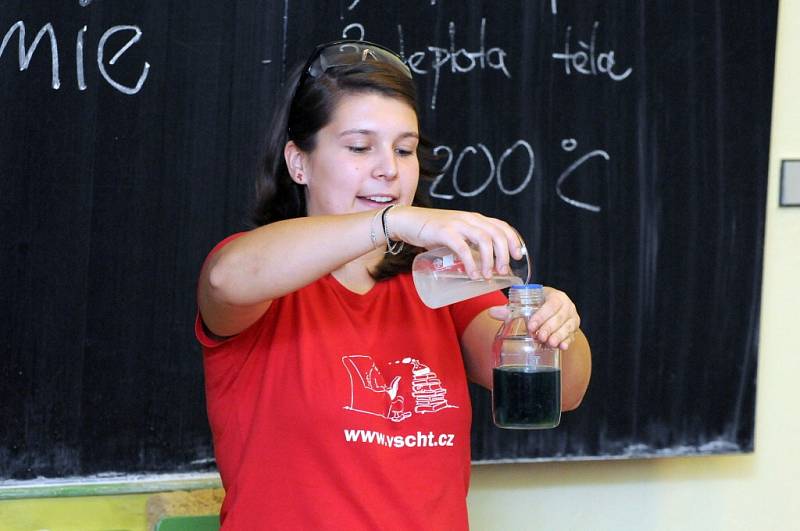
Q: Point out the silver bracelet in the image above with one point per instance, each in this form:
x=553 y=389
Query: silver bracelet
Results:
x=392 y=247
x=372 y=234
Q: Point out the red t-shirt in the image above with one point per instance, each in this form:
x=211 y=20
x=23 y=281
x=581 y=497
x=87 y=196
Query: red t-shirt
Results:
x=344 y=411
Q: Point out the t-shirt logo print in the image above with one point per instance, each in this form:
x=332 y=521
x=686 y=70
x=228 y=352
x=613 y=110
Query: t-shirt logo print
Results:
x=370 y=394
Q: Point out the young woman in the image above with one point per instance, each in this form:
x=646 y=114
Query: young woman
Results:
x=336 y=399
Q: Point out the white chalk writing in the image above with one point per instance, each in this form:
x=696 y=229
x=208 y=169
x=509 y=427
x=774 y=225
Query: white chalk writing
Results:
x=586 y=60
x=440 y=190
x=495 y=172
x=570 y=145
x=25 y=54
x=436 y=59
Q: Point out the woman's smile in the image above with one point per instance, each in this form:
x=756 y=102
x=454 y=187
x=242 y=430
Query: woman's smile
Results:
x=377 y=200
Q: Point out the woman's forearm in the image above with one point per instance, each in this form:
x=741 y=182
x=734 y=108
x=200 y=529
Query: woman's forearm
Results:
x=276 y=259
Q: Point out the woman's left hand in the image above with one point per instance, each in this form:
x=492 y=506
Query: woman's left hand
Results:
x=555 y=323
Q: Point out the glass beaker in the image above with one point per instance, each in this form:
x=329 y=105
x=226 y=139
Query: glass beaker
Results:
x=440 y=277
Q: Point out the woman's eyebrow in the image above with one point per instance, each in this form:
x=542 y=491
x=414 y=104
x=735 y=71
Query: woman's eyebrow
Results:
x=356 y=132
x=370 y=132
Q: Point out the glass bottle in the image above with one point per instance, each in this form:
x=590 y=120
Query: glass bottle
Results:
x=526 y=390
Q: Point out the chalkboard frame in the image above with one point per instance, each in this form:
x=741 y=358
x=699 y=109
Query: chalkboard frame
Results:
x=100 y=148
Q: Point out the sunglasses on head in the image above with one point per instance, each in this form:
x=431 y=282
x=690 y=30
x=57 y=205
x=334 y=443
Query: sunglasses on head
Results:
x=346 y=53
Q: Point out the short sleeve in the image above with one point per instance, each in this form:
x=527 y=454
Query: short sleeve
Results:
x=465 y=311
x=200 y=331
x=202 y=334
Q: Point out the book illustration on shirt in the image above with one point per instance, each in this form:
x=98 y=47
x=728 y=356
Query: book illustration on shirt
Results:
x=370 y=394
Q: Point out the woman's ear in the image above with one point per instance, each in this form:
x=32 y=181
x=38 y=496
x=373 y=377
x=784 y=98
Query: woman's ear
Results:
x=295 y=161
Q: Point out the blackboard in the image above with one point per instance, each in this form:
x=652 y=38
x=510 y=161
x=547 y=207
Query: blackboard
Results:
x=627 y=140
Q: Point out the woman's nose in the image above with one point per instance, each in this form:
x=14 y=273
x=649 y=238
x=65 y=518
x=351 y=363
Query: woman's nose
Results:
x=386 y=166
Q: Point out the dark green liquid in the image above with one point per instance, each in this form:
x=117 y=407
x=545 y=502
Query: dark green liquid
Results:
x=525 y=398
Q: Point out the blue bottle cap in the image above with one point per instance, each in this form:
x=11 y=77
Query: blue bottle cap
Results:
x=527 y=286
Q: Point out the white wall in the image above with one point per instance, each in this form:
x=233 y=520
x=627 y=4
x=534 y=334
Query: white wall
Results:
x=749 y=492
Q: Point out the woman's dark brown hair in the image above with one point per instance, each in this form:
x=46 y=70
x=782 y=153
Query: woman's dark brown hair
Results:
x=301 y=113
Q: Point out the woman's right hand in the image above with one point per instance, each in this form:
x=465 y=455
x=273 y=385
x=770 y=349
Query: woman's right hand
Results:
x=430 y=227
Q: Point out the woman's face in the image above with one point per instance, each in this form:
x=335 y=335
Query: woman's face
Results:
x=365 y=158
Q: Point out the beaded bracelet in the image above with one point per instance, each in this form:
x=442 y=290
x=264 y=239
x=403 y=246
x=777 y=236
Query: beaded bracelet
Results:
x=392 y=247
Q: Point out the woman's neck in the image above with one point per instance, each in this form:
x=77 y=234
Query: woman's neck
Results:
x=355 y=275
